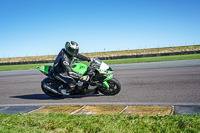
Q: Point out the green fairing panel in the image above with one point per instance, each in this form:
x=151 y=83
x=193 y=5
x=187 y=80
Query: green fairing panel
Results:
x=110 y=76
x=79 y=68
x=106 y=72
x=44 y=68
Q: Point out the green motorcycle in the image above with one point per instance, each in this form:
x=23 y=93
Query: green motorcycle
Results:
x=101 y=80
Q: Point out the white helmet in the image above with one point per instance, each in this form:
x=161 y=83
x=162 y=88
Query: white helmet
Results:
x=72 y=48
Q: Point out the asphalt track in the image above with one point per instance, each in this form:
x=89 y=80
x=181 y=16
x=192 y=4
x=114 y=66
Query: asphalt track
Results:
x=158 y=83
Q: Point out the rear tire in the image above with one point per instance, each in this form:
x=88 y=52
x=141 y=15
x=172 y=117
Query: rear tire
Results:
x=49 y=82
x=114 y=88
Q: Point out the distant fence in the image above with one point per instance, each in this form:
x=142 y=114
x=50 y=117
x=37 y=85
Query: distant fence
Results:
x=109 y=58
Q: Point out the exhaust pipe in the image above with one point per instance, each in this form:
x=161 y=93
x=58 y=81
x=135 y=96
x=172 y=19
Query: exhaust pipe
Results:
x=49 y=88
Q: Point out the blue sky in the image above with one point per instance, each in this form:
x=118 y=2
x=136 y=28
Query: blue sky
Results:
x=41 y=27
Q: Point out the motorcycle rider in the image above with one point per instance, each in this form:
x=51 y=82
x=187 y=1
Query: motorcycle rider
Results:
x=62 y=70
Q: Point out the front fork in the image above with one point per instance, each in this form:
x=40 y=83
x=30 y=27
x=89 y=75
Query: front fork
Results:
x=106 y=84
x=105 y=81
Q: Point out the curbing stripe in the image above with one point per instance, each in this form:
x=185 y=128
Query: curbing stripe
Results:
x=173 y=110
x=148 y=110
x=123 y=109
x=57 y=109
x=101 y=109
x=76 y=111
x=107 y=109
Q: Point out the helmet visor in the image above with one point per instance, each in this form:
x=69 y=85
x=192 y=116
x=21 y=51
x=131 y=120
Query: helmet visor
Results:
x=72 y=51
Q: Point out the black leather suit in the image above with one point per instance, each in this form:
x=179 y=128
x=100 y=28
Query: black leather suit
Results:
x=63 y=72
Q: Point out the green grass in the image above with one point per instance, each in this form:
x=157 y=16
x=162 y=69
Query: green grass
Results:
x=65 y=123
x=21 y=67
x=117 y=61
x=154 y=59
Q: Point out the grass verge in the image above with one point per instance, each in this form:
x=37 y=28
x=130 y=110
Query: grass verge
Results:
x=153 y=59
x=21 y=67
x=97 y=123
x=117 y=61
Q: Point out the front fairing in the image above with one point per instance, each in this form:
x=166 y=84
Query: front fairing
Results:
x=103 y=71
x=98 y=64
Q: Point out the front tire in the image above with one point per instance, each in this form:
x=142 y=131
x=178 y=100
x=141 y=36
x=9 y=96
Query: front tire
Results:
x=49 y=82
x=115 y=87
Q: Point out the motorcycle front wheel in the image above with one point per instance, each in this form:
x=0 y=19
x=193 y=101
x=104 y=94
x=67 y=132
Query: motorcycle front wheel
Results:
x=114 y=87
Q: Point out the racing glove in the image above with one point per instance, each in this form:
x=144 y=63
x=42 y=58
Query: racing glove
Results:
x=85 y=78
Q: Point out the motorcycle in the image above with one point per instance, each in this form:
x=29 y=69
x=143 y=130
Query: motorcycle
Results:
x=101 y=80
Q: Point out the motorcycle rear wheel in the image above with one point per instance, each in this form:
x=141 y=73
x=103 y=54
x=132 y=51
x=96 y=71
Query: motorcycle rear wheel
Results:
x=114 y=87
x=49 y=82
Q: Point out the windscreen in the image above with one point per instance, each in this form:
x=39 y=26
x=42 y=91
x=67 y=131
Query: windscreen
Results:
x=99 y=64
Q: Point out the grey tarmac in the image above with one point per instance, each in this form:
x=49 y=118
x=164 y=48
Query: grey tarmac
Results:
x=171 y=83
